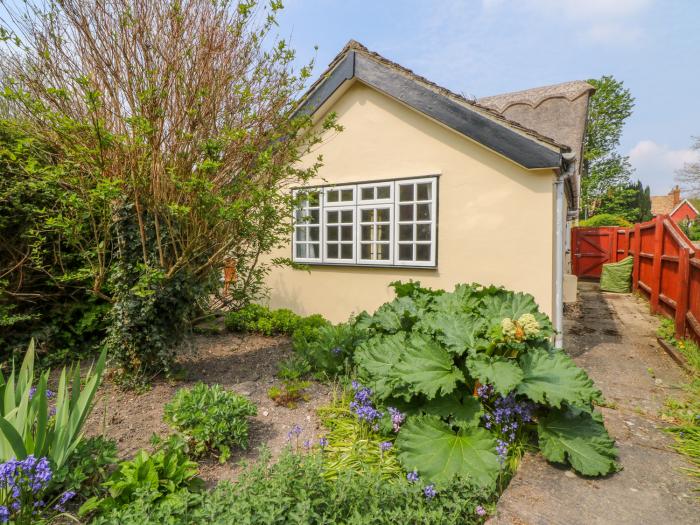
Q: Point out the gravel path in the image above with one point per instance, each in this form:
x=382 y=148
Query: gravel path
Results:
x=613 y=337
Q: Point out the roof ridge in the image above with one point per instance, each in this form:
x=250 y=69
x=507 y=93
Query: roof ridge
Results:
x=490 y=112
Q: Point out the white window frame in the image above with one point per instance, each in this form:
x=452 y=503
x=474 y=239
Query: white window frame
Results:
x=340 y=188
x=339 y=242
x=390 y=200
x=357 y=205
x=390 y=243
x=318 y=259
x=415 y=221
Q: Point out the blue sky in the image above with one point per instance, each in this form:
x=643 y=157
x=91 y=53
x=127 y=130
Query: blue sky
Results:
x=485 y=47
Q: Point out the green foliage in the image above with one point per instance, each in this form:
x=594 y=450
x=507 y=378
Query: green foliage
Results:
x=212 y=419
x=604 y=169
x=353 y=445
x=27 y=425
x=414 y=357
x=140 y=196
x=691 y=229
x=47 y=270
x=327 y=348
x=631 y=202
x=87 y=468
x=552 y=378
x=148 y=477
x=260 y=319
x=294 y=368
x=605 y=219
x=294 y=491
x=291 y=392
x=684 y=413
x=429 y=445
x=580 y=438
x=150 y=315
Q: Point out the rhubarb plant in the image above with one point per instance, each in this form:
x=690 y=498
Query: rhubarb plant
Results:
x=474 y=370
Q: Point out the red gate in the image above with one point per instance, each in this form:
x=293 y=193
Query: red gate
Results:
x=593 y=247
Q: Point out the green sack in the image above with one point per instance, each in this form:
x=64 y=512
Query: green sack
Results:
x=617 y=277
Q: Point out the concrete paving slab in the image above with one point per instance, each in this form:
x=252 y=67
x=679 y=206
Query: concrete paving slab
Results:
x=613 y=338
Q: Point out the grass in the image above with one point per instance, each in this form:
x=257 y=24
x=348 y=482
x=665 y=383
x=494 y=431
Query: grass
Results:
x=685 y=414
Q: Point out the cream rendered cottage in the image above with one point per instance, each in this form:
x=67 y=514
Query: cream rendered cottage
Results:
x=424 y=184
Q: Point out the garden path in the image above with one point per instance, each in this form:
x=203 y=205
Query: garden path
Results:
x=613 y=337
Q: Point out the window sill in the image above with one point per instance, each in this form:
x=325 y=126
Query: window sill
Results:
x=355 y=265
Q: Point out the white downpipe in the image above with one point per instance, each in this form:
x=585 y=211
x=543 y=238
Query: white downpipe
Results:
x=559 y=262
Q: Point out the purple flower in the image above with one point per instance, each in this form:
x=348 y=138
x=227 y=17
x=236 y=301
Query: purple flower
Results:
x=484 y=391
x=4 y=514
x=396 y=418
x=323 y=442
x=362 y=404
x=65 y=497
x=307 y=443
x=502 y=450
x=481 y=511
x=385 y=445
x=412 y=476
x=429 y=492
x=296 y=430
x=337 y=350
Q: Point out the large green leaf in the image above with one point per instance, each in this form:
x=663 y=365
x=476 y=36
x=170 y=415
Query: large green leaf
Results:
x=513 y=305
x=459 y=331
x=461 y=408
x=465 y=298
x=429 y=445
x=377 y=359
x=427 y=368
x=579 y=437
x=504 y=374
x=553 y=378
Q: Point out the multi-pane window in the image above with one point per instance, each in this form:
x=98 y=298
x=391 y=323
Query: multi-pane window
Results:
x=307 y=228
x=381 y=223
x=415 y=210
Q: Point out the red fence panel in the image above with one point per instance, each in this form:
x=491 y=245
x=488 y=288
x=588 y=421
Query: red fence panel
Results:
x=665 y=268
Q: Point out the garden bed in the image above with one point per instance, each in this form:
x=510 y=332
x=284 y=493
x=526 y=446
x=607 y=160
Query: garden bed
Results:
x=245 y=364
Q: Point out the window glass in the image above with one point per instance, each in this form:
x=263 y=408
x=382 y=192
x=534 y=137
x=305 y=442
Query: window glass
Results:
x=384 y=223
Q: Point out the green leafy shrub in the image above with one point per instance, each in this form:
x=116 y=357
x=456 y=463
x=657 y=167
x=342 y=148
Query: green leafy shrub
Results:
x=295 y=491
x=246 y=318
x=30 y=426
x=212 y=419
x=148 y=477
x=260 y=319
x=328 y=348
x=462 y=364
x=294 y=368
x=605 y=219
x=87 y=468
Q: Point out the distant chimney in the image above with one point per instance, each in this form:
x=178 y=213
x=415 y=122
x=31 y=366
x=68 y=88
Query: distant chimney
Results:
x=676 y=193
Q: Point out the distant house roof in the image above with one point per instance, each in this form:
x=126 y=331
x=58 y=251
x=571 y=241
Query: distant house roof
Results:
x=662 y=204
x=523 y=145
x=666 y=204
x=685 y=201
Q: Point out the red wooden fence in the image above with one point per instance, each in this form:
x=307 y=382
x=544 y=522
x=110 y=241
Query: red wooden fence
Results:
x=665 y=270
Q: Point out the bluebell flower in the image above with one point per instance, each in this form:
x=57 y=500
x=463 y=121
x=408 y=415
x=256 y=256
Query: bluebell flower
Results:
x=412 y=476
x=429 y=492
x=4 y=514
x=397 y=418
x=323 y=442
x=385 y=445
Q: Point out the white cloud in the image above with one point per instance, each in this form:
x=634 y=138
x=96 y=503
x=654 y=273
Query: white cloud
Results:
x=656 y=164
x=593 y=21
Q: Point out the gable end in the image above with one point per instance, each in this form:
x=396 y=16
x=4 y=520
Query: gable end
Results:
x=470 y=123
